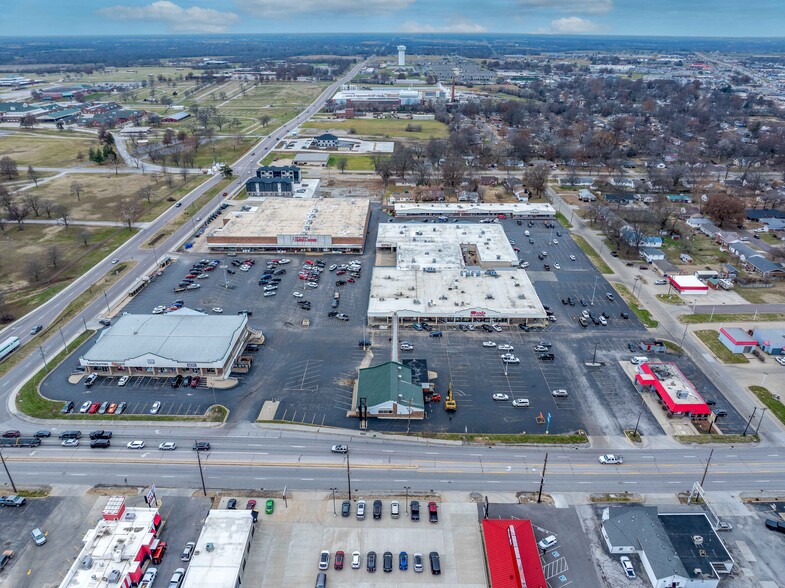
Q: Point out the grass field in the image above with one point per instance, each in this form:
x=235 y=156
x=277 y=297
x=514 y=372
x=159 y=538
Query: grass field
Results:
x=592 y=254
x=710 y=339
x=222 y=151
x=730 y=318
x=774 y=405
x=44 y=149
x=642 y=314
x=383 y=127
x=670 y=298
x=353 y=162
x=101 y=192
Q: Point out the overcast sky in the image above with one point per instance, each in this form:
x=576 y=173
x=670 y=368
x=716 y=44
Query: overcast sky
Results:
x=705 y=18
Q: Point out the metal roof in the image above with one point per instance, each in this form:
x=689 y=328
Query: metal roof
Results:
x=177 y=337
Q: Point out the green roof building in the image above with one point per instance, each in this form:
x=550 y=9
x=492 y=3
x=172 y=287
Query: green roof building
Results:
x=389 y=392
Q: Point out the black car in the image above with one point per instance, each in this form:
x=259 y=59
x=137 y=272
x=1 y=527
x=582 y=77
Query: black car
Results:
x=279 y=272
x=436 y=567
x=186 y=381
x=201 y=446
x=176 y=381
x=232 y=504
x=42 y=434
x=377 y=509
x=101 y=434
x=67 y=407
x=100 y=444
x=230 y=271
x=387 y=561
x=340 y=283
x=105 y=322
x=371 y=561
x=487 y=328
x=624 y=315
x=775 y=525
x=584 y=303
x=571 y=301
x=346 y=508
x=332 y=313
x=414 y=508
x=546 y=356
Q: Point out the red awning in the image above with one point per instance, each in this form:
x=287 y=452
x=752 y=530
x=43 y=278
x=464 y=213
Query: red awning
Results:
x=503 y=559
x=675 y=407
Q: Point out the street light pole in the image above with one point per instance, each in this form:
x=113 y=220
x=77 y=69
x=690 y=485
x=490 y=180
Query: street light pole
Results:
x=760 y=421
x=542 y=479
x=46 y=365
x=635 y=433
x=406 y=504
x=201 y=473
x=706 y=470
x=749 y=421
x=63 y=338
x=335 y=513
x=594 y=289
x=7 y=473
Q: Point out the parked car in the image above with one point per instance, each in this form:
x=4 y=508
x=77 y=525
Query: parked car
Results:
x=501 y=397
x=231 y=504
x=338 y=561
x=269 y=506
x=155 y=407
x=626 y=565
x=346 y=508
x=188 y=551
x=547 y=543
x=377 y=509
x=418 y=563
x=520 y=402
x=433 y=512
x=436 y=566
x=387 y=562
x=324 y=560
x=68 y=407
x=360 y=509
x=559 y=393
x=414 y=509
x=370 y=561
x=356 y=560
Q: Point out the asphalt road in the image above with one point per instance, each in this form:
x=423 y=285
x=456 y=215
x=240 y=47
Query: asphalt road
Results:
x=304 y=461
x=130 y=250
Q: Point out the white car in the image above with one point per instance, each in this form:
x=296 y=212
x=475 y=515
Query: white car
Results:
x=115 y=260
x=297 y=294
x=284 y=261
x=521 y=402
x=603 y=321
x=312 y=285
x=510 y=359
x=159 y=310
x=70 y=443
x=780 y=360
x=547 y=543
x=167 y=446
x=523 y=264
x=324 y=560
x=556 y=266
x=559 y=393
x=218 y=310
x=555 y=242
x=155 y=407
x=333 y=267
x=541 y=348
x=245 y=268
x=488 y=344
x=501 y=397
x=135 y=444
x=356 y=560
x=496 y=328
x=626 y=565
x=506 y=348
x=609 y=458
x=123 y=381
x=660 y=282
x=202 y=276
x=405 y=346
x=193 y=286
x=572 y=258
x=270 y=293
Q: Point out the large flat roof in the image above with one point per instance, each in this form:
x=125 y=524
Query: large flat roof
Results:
x=218 y=567
x=440 y=245
x=522 y=209
x=175 y=338
x=673 y=387
x=336 y=217
x=453 y=293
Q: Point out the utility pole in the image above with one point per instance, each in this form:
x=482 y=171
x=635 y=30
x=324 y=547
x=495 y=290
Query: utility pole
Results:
x=201 y=473
x=46 y=365
x=63 y=338
x=749 y=421
x=542 y=479
x=706 y=470
x=335 y=514
x=7 y=473
x=406 y=504
x=409 y=417
x=760 y=421
x=635 y=433
x=349 y=476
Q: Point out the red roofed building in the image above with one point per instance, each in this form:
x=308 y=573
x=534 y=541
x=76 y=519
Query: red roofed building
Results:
x=512 y=555
x=673 y=389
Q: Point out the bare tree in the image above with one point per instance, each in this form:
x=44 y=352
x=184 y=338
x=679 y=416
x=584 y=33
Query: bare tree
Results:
x=84 y=236
x=264 y=120
x=77 y=188
x=8 y=168
x=34 y=202
x=129 y=210
x=48 y=206
x=63 y=213
x=18 y=212
x=342 y=163
x=33 y=176
x=34 y=269
x=146 y=192
x=536 y=178
x=53 y=255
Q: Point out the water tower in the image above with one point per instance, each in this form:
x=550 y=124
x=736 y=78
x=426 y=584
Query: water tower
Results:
x=401 y=55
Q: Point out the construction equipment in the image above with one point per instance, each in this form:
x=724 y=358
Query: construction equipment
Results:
x=450 y=404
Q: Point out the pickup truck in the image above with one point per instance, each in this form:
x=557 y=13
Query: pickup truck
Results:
x=148 y=578
x=433 y=512
x=12 y=500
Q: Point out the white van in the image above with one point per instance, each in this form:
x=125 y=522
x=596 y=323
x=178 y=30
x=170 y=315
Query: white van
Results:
x=638 y=359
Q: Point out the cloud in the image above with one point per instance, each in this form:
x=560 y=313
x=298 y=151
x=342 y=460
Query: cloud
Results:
x=571 y=25
x=580 y=6
x=176 y=18
x=457 y=26
x=279 y=9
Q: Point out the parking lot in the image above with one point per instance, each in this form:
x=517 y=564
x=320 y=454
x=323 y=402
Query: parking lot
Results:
x=285 y=551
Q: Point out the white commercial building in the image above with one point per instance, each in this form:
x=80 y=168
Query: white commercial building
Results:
x=450 y=273
x=221 y=551
x=169 y=345
x=469 y=209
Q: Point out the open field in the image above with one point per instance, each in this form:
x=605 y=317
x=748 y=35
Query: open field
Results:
x=51 y=149
x=353 y=162
x=710 y=339
x=35 y=245
x=383 y=127
x=774 y=405
x=703 y=250
x=772 y=295
x=222 y=151
x=730 y=318
x=101 y=192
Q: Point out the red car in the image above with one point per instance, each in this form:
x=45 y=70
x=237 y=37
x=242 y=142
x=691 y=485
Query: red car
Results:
x=308 y=262
x=338 y=563
x=340 y=272
x=250 y=505
x=12 y=434
x=190 y=276
x=195 y=381
x=209 y=268
x=93 y=408
x=350 y=280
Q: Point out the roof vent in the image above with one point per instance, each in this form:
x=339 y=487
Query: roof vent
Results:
x=209 y=547
x=697 y=572
x=697 y=540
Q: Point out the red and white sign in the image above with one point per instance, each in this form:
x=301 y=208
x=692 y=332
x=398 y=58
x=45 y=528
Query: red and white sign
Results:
x=478 y=313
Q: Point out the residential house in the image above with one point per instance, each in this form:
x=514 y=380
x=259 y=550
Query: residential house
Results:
x=679 y=198
x=585 y=195
x=696 y=221
x=576 y=181
x=756 y=215
x=622 y=198
x=773 y=224
x=765 y=267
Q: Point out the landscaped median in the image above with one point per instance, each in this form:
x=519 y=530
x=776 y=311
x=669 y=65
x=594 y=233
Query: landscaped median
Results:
x=563 y=220
x=670 y=298
x=768 y=400
x=730 y=318
x=710 y=339
x=592 y=254
x=512 y=439
x=30 y=401
x=643 y=315
x=715 y=438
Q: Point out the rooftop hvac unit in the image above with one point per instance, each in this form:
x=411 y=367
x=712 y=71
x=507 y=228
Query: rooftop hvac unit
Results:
x=416 y=301
x=489 y=296
x=209 y=547
x=682 y=394
x=697 y=572
x=697 y=540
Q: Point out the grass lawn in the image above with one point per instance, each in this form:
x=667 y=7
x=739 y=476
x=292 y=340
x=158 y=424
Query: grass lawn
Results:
x=44 y=149
x=774 y=405
x=643 y=315
x=730 y=318
x=383 y=127
x=716 y=438
x=222 y=151
x=523 y=438
x=563 y=220
x=770 y=238
x=710 y=339
x=101 y=192
x=773 y=295
x=670 y=298
x=354 y=162
x=592 y=254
